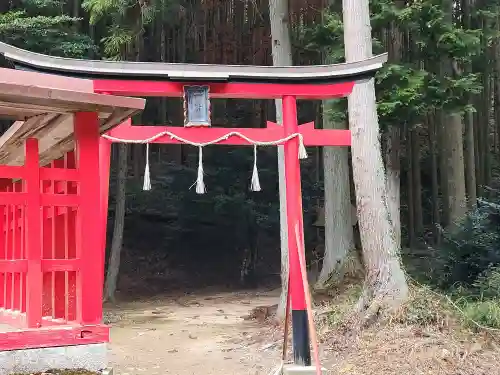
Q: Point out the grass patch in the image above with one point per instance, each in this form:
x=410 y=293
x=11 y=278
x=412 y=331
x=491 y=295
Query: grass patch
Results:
x=342 y=304
x=481 y=314
x=424 y=308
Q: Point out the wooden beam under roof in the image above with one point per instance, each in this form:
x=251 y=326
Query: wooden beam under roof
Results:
x=44 y=106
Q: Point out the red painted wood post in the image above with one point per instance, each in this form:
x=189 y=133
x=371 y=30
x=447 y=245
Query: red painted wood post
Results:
x=104 y=168
x=57 y=251
x=2 y=254
x=16 y=251
x=48 y=240
x=89 y=223
x=301 y=350
x=33 y=236
x=8 y=255
x=70 y=244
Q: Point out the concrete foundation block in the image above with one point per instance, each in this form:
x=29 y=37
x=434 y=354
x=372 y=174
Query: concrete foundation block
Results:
x=292 y=369
x=92 y=357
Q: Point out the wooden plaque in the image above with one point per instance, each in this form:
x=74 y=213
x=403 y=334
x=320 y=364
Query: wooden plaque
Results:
x=196 y=106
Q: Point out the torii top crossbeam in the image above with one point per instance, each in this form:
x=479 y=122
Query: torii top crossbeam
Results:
x=226 y=81
x=222 y=81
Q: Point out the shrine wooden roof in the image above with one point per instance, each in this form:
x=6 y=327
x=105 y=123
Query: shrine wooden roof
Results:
x=44 y=105
x=27 y=60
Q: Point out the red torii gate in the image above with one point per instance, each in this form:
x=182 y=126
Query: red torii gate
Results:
x=222 y=81
x=290 y=132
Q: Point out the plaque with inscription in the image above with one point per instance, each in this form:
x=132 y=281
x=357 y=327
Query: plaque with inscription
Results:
x=196 y=106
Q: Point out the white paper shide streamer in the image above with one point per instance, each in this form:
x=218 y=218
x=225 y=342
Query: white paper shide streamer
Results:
x=147 y=178
x=199 y=183
x=255 y=181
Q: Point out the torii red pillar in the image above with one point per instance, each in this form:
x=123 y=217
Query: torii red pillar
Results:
x=293 y=192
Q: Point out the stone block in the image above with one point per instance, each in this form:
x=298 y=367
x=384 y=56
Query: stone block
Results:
x=92 y=357
x=292 y=369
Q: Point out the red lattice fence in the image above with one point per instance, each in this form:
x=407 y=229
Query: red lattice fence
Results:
x=51 y=242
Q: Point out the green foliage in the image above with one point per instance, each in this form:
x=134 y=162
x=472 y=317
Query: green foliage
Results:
x=469 y=250
x=123 y=18
x=486 y=313
x=467 y=265
x=125 y=21
x=99 y=9
x=39 y=27
x=116 y=42
x=413 y=86
x=488 y=284
x=402 y=93
x=328 y=37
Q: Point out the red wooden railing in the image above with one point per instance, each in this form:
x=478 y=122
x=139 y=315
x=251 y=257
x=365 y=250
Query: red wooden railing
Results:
x=51 y=249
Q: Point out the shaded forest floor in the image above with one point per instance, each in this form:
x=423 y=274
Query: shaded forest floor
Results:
x=209 y=332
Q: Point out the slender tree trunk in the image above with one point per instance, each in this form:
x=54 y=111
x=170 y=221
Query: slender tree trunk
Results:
x=412 y=236
x=441 y=132
x=393 y=163
x=486 y=108
x=470 y=161
x=417 y=181
x=436 y=216
x=456 y=172
x=339 y=238
x=385 y=285
x=497 y=86
x=393 y=142
x=452 y=137
x=470 y=158
x=339 y=235
x=452 y=128
x=282 y=55
x=117 y=242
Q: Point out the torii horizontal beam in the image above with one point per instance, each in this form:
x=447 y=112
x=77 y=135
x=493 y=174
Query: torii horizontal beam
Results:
x=273 y=132
x=235 y=90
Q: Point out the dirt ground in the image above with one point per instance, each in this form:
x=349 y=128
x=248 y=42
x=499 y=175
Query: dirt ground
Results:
x=203 y=333
x=206 y=333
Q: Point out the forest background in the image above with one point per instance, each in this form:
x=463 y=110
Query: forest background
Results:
x=438 y=103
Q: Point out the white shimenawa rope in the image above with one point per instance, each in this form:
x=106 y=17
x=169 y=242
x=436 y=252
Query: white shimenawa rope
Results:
x=200 y=185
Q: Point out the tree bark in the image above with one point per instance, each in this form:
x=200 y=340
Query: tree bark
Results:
x=339 y=238
x=441 y=132
x=119 y=225
x=470 y=158
x=385 y=285
x=436 y=216
x=412 y=236
x=393 y=141
x=393 y=173
x=452 y=128
x=456 y=171
x=282 y=55
x=470 y=161
x=497 y=88
x=339 y=234
x=417 y=181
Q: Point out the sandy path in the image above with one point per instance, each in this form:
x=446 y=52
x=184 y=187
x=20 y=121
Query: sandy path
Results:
x=205 y=334
x=197 y=334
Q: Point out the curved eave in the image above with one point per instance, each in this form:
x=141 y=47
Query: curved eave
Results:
x=190 y=72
